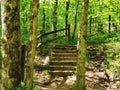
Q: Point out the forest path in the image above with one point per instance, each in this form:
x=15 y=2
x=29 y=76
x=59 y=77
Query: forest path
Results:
x=96 y=76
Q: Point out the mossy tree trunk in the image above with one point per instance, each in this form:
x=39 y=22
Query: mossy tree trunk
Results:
x=82 y=35
x=33 y=41
x=11 y=72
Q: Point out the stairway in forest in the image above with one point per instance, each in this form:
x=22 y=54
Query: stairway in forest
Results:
x=62 y=61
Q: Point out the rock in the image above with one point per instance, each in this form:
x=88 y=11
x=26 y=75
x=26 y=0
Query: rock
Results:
x=113 y=86
x=88 y=79
x=46 y=60
x=111 y=76
x=43 y=78
x=89 y=66
x=41 y=60
x=70 y=80
x=101 y=74
x=89 y=74
x=57 y=79
x=54 y=84
x=41 y=88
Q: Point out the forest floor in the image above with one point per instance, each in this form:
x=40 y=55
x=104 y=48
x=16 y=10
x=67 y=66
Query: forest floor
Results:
x=102 y=72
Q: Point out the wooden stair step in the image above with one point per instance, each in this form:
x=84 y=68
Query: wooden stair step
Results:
x=64 y=54
x=55 y=67
x=62 y=73
x=65 y=48
x=70 y=63
x=64 y=58
x=64 y=51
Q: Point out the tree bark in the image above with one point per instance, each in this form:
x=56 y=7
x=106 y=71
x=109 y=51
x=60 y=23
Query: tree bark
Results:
x=11 y=64
x=32 y=47
x=82 y=36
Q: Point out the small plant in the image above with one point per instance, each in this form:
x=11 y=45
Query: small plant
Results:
x=113 y=58
x=104 y=38
x=23 y=86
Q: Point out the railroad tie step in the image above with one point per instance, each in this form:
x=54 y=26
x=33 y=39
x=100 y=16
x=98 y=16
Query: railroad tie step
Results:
x=56 y=67
x=64 y=54
x=64 y=51
x=63 y=62
x=63 y=58
x=62 y=73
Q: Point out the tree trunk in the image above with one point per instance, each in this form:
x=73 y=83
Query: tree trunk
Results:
x=33 y=41
x=90 y=24
x=44 y=18
x=23 y=56
x=109 y=23
x=11 y=64
x=82 y=36
x=55 y=15
x=66 y=15
x=75 y=20
x=100 y=24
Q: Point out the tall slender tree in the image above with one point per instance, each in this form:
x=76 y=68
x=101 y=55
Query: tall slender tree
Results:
x=75 y=20
x=44 y=17
x=100 y=23
x=82 y=36
x=55 y=4
x=11 y=63
x=90 y=25
x=109 y=26
x=66 y=15
x=33 y=41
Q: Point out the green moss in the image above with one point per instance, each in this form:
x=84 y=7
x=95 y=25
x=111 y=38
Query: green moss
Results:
x=0 y=58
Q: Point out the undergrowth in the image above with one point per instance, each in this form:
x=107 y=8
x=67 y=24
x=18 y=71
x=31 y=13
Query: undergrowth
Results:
x=104 y=38
x=113 y=58
x=22 y=86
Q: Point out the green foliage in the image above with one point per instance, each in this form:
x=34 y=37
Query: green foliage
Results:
x=23 y=87
x=113 y=58
x=72 y=87
x=25 y=20
x=104 y=38
x=88 y=57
